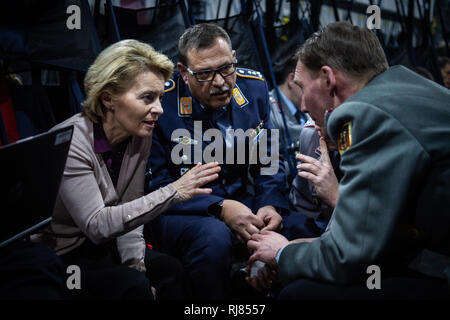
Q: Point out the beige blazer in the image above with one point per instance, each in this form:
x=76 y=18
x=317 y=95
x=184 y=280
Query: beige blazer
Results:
x=88 y=205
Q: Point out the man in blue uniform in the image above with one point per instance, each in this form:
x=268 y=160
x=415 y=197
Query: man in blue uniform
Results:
x=209 y=95
x=287 y=109
x=389 y=236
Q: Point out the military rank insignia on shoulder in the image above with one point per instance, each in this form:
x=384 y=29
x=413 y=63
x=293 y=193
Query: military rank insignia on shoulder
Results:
x=345 y=138
x=248 y=73
x=169 y=85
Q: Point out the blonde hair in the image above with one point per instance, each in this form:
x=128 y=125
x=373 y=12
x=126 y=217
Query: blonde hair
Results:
x=114 y=70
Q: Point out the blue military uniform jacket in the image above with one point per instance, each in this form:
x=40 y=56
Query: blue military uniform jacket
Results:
x=293 y=125
x=248 y=109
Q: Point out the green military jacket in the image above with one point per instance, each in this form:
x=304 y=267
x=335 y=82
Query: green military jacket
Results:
x=394 y=196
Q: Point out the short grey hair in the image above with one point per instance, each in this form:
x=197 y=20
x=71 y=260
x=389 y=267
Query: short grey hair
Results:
x=350 y=49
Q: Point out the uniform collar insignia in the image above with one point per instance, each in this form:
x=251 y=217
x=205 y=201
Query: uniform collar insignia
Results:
x=169 y=85
x=238 y=96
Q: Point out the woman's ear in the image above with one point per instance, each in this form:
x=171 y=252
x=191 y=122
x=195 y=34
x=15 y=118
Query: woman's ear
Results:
x=107 y=101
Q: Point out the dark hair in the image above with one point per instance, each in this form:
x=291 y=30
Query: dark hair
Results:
x=443 y=61
x=353 y=50
x=200 y=36
x=288 y=67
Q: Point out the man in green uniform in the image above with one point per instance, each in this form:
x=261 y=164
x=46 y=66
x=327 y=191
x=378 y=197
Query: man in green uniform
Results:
x=389 y=235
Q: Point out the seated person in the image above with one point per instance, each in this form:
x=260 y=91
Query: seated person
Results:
x=289 y=105
x=97 y=223
x=314 y=191
x=389 y=236
x=210 y=95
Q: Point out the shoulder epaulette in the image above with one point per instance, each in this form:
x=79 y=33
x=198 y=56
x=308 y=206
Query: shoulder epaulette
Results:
x=169 y=85
x=248 y=73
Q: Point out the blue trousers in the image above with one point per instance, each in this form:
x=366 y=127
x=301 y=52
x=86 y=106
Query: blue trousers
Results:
x=207 y=248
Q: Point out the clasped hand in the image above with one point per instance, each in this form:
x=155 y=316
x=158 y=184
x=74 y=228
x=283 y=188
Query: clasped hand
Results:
x=264 y=246
x=240 y=218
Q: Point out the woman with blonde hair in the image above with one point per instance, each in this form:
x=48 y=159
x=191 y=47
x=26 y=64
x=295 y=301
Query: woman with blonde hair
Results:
x=99 y=215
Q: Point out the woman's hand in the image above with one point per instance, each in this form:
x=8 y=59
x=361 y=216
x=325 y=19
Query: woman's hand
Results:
x=188 y=185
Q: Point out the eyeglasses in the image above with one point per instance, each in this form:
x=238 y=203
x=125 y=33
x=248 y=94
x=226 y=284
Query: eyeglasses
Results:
x=208 y=75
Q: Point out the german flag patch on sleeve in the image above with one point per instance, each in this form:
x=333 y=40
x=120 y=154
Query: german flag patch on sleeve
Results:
x=345 y=138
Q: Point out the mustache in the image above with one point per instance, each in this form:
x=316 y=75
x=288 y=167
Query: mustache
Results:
x=220 y=90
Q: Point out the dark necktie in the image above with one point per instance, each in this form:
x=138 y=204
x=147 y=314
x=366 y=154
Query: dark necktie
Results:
x=298 y=116
x=222 y=120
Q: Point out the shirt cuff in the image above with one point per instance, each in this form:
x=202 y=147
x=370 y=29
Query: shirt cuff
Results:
x=215 y=209
x=279 y=253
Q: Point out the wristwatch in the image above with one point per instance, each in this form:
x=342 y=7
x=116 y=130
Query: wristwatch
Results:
x=216 y=209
